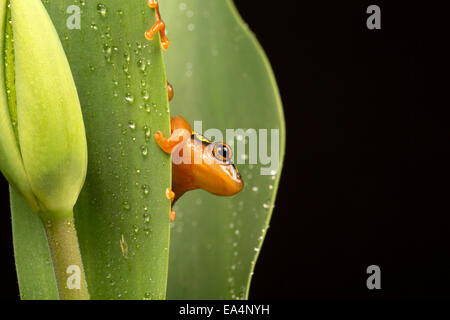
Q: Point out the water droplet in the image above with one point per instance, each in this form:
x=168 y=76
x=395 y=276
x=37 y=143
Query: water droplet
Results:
x=142 y=64
x=127 y=58
x=126 y=205
x=107 y=49
x=129 y=98
x=131 y=124
x=145 y=95
x=144 y=150
x=255 y=189
x=135 y=228
x=102 y=11
x=147 y=132
x=145 y=189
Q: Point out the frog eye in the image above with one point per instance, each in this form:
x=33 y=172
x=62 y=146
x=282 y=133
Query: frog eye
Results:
x=222 y=152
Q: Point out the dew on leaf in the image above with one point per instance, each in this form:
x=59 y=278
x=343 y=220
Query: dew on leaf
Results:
x=129 y=98
x=144 y=150
x=145 y=189
x=102 y=10
x=131 y=124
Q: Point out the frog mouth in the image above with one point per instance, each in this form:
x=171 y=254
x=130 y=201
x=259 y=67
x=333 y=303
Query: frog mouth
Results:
x=238 y=175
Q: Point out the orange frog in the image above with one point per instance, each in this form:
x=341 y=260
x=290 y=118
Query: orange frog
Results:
x=208 y=165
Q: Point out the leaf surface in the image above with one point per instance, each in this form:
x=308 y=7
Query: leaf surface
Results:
x=122 y=215
x=222 y=78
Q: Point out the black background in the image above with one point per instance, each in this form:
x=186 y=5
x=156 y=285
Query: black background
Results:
x=366 y=174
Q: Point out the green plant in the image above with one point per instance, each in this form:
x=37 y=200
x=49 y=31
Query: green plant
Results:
x=43 y=144
x=221 y=77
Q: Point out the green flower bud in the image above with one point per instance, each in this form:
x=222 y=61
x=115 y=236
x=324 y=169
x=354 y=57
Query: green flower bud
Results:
x=43 y=151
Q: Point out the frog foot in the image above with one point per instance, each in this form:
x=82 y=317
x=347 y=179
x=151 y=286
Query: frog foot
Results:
x=173 y=215
x=171 y=196
x=159 y=26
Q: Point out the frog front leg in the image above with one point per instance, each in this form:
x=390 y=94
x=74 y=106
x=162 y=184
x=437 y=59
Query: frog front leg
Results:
x=167 y=144
x=181 y=131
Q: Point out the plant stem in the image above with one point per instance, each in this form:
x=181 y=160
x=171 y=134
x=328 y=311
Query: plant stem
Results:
x=67 y=264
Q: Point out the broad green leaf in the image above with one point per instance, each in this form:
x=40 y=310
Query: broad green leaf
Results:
x=221 y=77
x=122 y=215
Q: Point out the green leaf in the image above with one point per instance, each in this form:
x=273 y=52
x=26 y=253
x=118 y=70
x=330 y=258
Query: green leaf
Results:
x=33 y=262
x=122 y=215
x=221 y=77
